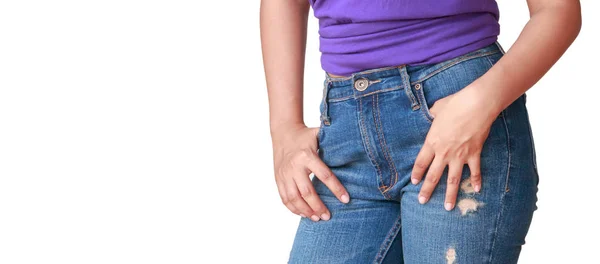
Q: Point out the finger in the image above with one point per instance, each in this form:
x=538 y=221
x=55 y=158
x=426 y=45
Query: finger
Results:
x=431 y=179
x=422 y=162
x=475 y=167
x=286 y=200
x=322 y=171
x=454 y=176
x=294 y=198
x=308 y=193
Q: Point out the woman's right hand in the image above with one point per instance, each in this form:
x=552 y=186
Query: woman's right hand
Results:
x=295 y=157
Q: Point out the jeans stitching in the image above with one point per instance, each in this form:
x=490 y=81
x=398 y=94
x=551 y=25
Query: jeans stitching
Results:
x=458 y=60
x=509 y=154
x=382 y=142
x=421 y=93
x=499 y=218
x=389 y=239
x=325 y=115
x=490 y=61
x=406 y=81
x=360 y=73
x=398 y=87
x=366 y=142
x=423 y=102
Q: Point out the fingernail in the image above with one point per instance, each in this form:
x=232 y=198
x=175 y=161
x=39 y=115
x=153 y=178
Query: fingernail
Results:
x=325 y=217
x=314 y=218
x=414 y=181
x=302 y=215
x=345 y=198
x=448 y=206
x=477 y=188
x=422 y=199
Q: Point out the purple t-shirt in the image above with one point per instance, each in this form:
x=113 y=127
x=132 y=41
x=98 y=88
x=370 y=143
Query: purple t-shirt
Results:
x=357 y=35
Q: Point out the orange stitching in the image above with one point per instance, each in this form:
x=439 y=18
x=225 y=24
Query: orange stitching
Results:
x=423 y=102
x=391 y=235
x=409 y=93
x=458 y=60
x=379 y=128
x=345 y=78
x=398 y=87
x=367 y=143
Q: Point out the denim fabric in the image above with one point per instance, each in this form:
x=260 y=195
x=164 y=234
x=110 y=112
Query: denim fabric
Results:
x=370 y=140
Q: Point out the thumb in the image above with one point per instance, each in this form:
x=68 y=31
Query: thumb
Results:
x=432 y=110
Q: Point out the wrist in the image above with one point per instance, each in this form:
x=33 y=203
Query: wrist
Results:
x=281 y=129
x=486 y=102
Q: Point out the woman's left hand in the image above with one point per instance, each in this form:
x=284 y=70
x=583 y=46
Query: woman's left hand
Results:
x=459 y=129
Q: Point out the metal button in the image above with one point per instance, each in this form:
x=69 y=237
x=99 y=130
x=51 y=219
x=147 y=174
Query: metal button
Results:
x=361 y=84
x=417 y=86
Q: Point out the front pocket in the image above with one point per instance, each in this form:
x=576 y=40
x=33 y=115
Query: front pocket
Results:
x=450 y=81
x=424 y=105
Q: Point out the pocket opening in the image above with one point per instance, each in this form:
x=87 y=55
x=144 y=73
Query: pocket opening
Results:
x=418 y=87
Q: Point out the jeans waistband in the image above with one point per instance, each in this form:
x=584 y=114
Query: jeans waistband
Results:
x=389 y=71
x=391 y=78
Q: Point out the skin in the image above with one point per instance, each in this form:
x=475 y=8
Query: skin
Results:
x=283 y=36
x=462 y=120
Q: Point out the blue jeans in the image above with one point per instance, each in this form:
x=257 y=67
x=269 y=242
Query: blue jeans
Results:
x=373 y=124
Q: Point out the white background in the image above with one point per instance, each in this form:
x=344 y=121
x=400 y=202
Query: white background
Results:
x=137 y=132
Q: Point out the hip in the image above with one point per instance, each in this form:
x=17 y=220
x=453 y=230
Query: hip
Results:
x=376 y=120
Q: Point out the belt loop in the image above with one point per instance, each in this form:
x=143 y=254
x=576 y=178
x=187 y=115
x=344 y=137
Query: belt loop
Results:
x=408 y=88
x=325 y=111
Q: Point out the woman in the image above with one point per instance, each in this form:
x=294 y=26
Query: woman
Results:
x=424 y=153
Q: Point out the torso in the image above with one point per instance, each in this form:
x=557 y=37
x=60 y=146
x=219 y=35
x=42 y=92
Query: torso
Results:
x=358 y=34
